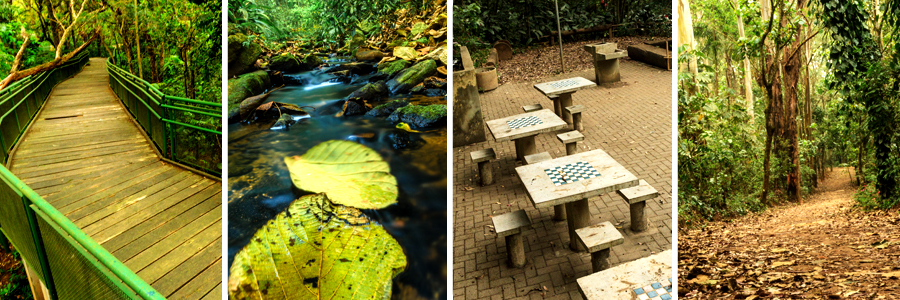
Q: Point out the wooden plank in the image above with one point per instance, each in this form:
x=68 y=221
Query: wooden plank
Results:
x=88 y=180
x=214 y=294
x=135 y=149
x=166 y=239
x=72 y=172
x=81 y=137
x=200 y=285
x=82 y=148
x=109 y=190
x=162 y=224
x=173 y=250
x=184 y=273
x=145 y=203
x=126 y=195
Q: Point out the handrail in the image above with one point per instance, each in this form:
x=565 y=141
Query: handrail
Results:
x=168 y=120
x=109 y=261
x=35 y=89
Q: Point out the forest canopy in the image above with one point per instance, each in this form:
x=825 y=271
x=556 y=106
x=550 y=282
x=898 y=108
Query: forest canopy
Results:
x=174 y=44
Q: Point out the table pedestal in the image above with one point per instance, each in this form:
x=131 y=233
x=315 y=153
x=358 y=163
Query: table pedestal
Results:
x=557 y=108
x=525 y=146
x=565 y=100
x=578 y=216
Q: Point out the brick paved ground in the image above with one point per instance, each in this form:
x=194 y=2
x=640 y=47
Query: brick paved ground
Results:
x=631 y=120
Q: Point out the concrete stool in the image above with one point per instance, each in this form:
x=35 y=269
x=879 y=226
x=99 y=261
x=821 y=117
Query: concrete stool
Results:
x=559 y=211
x=531 y=108
x=483 y=159
x=557 y=109
x=597 y=239
x=575 y=111
x=536 y=158
x=509 y=225
x=636 y=198
x=570 y=139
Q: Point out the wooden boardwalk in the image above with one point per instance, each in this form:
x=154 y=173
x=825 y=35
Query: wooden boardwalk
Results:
x=86 y=156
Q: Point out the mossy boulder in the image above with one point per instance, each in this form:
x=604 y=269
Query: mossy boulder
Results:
x=407 y=79
x=421 y=116
x=369 y=55
x=386 y=109
x=372 y=92
x=285 y=62
x=241 y=58
x=355 y=68
x=243 y=87
x=311 y=61
x=393 y=67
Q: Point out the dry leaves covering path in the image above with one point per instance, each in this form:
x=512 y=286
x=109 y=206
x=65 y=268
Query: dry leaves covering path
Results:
x=538 y=63
x=822 y=249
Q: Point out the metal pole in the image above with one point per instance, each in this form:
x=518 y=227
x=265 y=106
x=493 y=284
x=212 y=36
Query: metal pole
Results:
x=562 y=64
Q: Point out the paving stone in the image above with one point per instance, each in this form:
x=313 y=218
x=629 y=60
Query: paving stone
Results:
x=630 y=120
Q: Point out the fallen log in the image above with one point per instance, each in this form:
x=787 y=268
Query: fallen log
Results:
x=13 y=77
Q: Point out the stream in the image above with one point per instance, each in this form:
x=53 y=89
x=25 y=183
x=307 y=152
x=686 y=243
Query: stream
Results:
x=260 y=186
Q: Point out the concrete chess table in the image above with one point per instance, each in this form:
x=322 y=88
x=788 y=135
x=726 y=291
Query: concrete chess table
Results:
x=564 y=89
x=522 y=129
x=625 y=281
x=571 y=180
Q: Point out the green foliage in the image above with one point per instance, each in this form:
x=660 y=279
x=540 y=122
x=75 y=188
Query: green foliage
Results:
x=16 y=287
x=524 y=22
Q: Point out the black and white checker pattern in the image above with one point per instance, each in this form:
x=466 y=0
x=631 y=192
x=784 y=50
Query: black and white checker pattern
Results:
x=571 y=173
x=563 y=83
x=524 y=122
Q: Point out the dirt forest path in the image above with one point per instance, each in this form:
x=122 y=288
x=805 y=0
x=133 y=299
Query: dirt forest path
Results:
x=821 y=249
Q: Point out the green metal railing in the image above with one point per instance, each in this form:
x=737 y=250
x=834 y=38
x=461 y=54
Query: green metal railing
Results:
x=184 y=130
x=69 y=263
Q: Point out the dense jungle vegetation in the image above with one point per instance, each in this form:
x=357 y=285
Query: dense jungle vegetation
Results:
x=773 y=93
x=175 y=44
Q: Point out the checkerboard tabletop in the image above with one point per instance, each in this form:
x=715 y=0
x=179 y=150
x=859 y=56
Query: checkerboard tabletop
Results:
x=571 y=173
x=564 y=83
x=654 y=291
x=524 y=122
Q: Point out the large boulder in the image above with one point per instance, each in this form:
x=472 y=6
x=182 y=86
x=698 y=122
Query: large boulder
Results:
x=241 y=58
x=285 y=62
x=386 y=109
x=372 y=92
x=392 y=67
x=243 y=87
x=310 y=62
x=420 y=116
x=355 y=68
x=355 y=107
x=411 y=77
x=369 y=55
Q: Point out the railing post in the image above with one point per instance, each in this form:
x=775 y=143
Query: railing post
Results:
x=39 y=248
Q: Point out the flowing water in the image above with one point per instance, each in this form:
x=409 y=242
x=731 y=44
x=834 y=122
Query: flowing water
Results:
x=260 y=185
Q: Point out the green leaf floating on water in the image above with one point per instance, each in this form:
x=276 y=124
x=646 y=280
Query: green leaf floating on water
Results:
x=349 y=173
x=317 y=250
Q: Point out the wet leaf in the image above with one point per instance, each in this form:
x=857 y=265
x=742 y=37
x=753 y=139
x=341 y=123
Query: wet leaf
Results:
x=351 y=174
x=407 y=53
x=317 y=250
x=405 y=126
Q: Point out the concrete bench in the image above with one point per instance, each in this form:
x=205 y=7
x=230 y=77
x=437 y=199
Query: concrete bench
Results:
x=509 y=225
x=531 y=108
x=483 y=159
x=636 y=198
x=559 y=211
x=571 y=140
x=575 y=111
x=598 y=239
x=606 y=61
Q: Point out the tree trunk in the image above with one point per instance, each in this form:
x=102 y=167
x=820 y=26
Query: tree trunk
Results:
x=686 y=37
x=46 y=66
